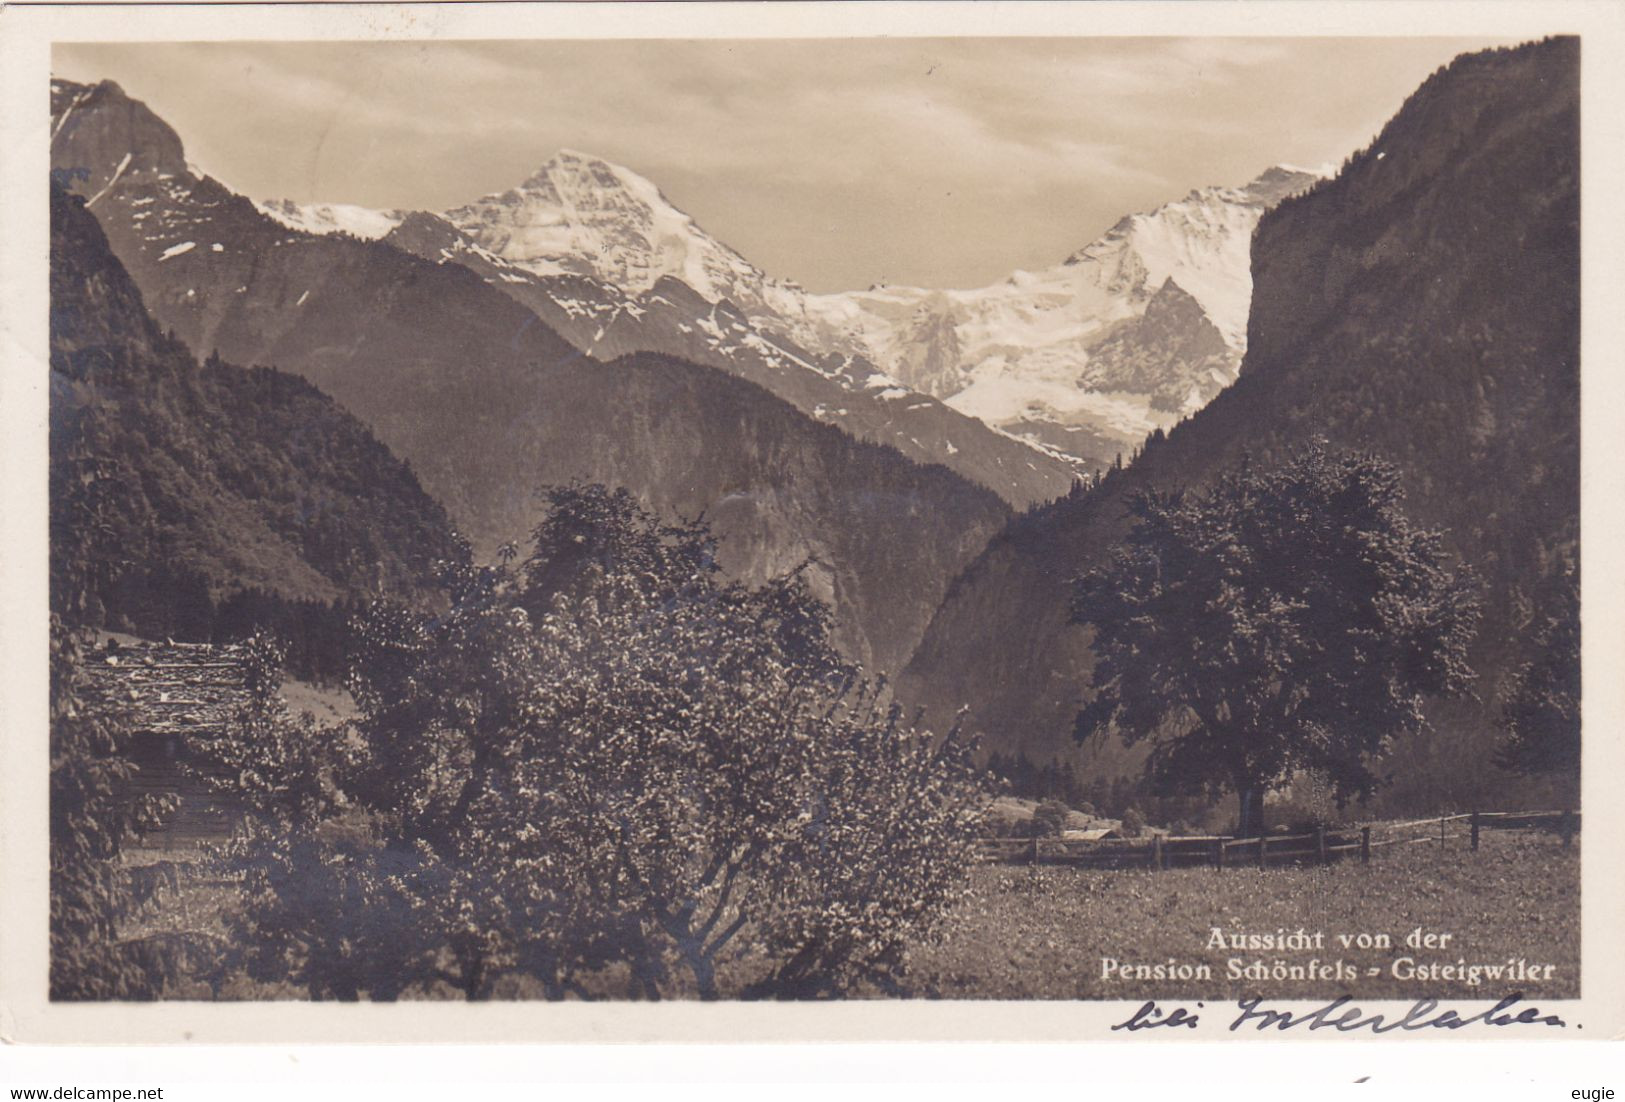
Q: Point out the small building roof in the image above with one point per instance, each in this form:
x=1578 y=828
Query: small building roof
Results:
x=168 y=688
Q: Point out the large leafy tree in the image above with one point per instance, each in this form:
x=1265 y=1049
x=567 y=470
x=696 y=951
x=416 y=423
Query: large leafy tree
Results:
x=1284 y=619
x=603 y=755
x=1541 y=706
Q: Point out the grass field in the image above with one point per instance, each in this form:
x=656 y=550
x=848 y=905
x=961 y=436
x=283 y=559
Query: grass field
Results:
x=1040 y=932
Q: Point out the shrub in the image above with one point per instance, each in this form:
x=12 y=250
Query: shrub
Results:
x=1050 y=817
x=1308 y=803
x=606 y=755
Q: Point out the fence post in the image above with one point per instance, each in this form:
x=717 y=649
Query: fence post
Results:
x=1441 y=832
x=1218 y=854
x=1475 y=830
x=1365 y=845
x=1156 y=852
x=1320 y=843
x=1566 y=826
x=1261 y=844
x=1032 y=858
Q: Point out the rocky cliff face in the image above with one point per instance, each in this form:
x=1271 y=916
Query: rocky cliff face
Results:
x=1423 y=305
x=881 y=536
x=1173 y=353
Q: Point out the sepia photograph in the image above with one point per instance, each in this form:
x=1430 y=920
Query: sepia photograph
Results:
x=1061 y=519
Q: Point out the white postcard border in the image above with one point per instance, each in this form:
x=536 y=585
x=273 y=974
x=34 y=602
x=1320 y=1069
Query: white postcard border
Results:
x=26 y=35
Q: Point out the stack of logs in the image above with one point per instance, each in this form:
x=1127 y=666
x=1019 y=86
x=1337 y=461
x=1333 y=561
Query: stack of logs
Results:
x=176 y=698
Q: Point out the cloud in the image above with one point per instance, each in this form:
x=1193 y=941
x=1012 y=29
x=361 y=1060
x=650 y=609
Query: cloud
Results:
x=1229 y=53
x=1030 y=111
x=1019 y=144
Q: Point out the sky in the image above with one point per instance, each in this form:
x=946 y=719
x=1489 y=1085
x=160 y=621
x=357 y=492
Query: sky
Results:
x=838 y=163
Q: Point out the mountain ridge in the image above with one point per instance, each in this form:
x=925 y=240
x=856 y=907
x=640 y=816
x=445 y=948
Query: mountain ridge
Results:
x=1014 y=355
x=488 y=403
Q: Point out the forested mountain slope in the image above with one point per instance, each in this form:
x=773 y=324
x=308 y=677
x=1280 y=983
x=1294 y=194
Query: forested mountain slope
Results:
x=175 y=484
x=1423 y=305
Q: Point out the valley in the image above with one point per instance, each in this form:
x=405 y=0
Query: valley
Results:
x=562 y=606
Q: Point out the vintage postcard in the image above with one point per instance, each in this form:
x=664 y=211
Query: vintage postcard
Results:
x=711 y=521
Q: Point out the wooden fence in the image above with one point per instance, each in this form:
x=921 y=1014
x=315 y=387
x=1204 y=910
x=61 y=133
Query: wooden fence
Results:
x=1319 y=847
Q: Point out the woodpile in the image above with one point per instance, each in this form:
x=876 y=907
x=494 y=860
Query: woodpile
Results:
x=178 y=698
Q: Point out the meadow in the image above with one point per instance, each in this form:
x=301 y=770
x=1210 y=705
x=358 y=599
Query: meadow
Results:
x=1040 y=932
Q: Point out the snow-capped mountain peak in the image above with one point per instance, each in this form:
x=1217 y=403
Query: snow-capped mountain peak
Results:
x=1076 y=350
x=583 y=215
x=1072 y=356
x=1325 y=171
x=1201 y=241
x=357 y=221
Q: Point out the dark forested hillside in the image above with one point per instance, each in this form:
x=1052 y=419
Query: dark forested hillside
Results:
x=1423 y=305
x=176 y=485
x=488 y=404
x=434 y=361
